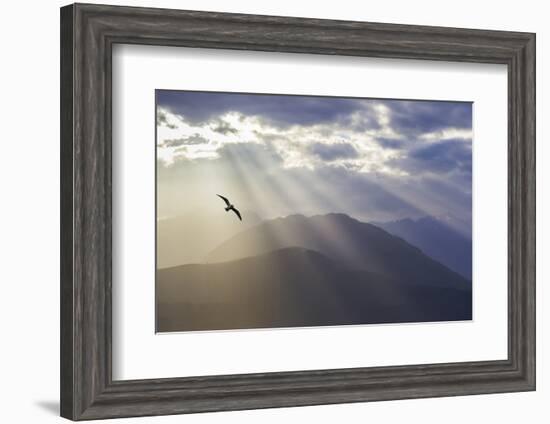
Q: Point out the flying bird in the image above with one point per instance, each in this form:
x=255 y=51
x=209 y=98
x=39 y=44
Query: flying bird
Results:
x=230 y=207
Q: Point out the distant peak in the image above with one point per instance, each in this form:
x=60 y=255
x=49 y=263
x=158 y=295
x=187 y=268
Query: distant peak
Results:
x=328 y=218
x=407 y=220
x=299 y=216
x=339 y=215
x=330 y=215
x=430 y=218
x=293 y=216
x=294 y=250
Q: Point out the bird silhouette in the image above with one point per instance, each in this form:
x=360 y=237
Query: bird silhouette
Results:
x=230 y=207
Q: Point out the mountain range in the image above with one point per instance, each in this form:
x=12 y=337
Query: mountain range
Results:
x=310 y=271
x=436 y=238
x=296 y=287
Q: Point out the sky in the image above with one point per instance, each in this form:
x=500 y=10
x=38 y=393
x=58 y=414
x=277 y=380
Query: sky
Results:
x=276 y=155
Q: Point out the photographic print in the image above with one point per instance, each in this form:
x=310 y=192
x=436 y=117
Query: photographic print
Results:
x=298 y=211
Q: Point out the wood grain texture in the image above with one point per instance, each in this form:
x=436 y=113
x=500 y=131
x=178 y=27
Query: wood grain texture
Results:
x=88 y=33
x=66 y=213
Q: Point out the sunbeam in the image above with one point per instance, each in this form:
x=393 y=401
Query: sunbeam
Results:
x=332 y=193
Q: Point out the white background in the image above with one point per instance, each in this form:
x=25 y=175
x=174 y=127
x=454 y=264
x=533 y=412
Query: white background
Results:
x=29 y=175
x=138 y=353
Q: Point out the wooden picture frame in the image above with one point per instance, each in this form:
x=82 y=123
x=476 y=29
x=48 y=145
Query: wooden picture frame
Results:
x=88 y=33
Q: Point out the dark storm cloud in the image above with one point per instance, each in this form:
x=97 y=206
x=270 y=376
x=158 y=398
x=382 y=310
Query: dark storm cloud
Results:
x=439 y=158
x=416 y=117
x=280 y=109
x=330 y=152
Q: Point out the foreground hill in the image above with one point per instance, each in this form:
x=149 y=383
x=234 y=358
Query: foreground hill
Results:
x=296 y=287
x=351 y=243
x=437 y=239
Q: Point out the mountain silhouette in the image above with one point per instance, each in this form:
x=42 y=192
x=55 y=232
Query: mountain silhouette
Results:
x=299 y=287
x=351 y=243
x=437 y=239
x=188 y=238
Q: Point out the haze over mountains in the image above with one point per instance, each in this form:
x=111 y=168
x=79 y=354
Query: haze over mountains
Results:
x=303 y=271
x=437 y=239
x=354 y=244
x=297 y=287
x=190 y=237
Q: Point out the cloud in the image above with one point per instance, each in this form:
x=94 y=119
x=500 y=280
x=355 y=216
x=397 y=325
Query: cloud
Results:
x=418 y=117
x=390 y=143
x=162 y=119
x=298 y=146
x=224 y=128
x=185 y=141
x=442 y=157
x=374 y=159
x=331 y=152
x=449 y=133
x=281 y=110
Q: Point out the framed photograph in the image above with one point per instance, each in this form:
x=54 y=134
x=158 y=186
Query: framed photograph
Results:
x=322 y=233
x=264 y=211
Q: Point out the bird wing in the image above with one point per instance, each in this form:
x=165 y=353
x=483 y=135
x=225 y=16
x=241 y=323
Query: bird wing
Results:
x=224 y=199
x=237 y=212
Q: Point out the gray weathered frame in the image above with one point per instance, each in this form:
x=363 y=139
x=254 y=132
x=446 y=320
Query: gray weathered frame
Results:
x=88 y=33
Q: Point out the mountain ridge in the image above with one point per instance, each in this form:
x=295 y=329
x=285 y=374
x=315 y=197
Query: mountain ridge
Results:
x=295 y=287
x=436 y=239
x=355 y=244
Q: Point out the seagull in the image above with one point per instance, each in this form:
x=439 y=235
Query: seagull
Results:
x=230 y=207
